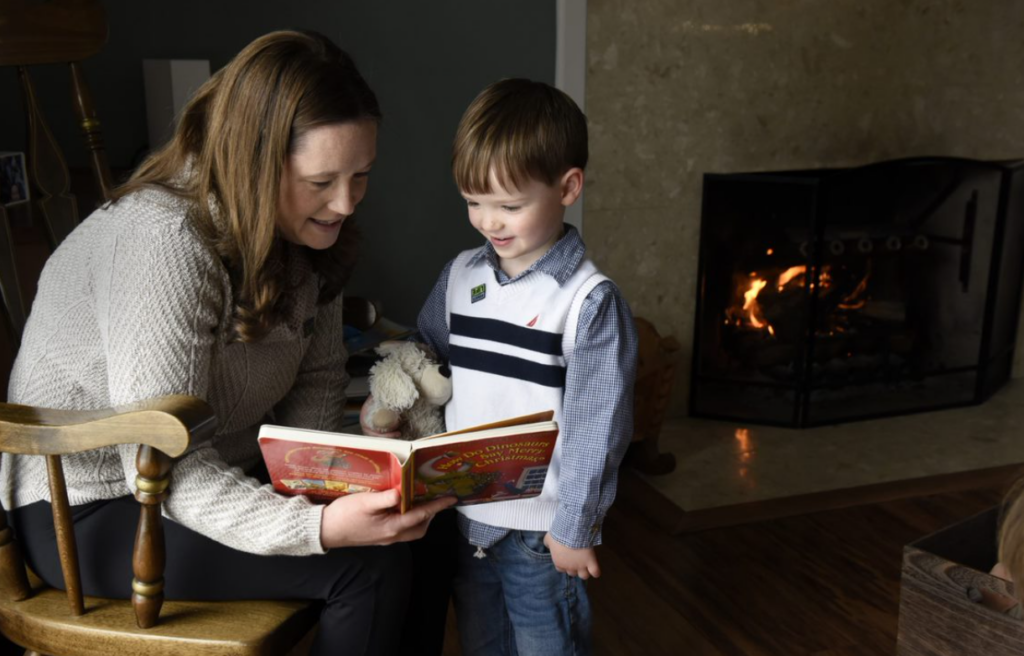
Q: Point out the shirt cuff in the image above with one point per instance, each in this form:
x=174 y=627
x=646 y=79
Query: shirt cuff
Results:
x=576 y=530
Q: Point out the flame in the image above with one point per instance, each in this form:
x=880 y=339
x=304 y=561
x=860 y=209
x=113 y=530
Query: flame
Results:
x=789 y=274
x=853 y=301
x=750 y=303
x=824 y=278
x=751 y=313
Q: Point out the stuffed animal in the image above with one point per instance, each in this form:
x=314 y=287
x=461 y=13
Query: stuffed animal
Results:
x=408 y=388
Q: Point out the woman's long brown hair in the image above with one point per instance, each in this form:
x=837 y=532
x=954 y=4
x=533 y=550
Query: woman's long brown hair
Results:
x=228 y=154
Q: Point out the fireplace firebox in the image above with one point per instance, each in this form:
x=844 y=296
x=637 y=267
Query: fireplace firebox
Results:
x=835 y=295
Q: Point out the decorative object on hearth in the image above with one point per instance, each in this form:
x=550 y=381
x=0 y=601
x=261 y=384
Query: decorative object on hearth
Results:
x=657 y=358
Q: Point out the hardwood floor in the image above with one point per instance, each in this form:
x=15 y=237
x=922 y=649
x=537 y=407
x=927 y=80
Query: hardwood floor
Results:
x=822 y=584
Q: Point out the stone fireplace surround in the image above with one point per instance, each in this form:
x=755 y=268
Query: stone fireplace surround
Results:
x=678 y=89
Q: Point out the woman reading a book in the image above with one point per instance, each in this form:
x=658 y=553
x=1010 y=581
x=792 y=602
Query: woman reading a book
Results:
x=217 y=272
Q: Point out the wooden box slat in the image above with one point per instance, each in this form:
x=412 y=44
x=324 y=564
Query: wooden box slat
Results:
x=949 y=604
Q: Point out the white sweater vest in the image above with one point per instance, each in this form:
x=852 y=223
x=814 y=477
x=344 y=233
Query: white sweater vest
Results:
x=509 y=345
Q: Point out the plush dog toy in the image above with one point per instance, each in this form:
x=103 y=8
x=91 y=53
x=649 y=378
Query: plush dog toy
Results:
x=408 y=386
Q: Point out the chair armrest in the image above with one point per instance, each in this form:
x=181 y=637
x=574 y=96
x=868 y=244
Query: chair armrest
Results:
x=166 y=423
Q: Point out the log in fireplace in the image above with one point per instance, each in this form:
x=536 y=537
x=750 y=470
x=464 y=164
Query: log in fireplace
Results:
x=834 y=295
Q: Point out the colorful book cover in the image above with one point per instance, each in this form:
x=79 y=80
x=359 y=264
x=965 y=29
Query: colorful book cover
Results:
x=324 y=472
x=490 y=469
x=495 y=462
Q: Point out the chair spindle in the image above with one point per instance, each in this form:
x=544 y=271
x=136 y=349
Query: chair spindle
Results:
x=12 y=306
x=149 y=557
x=48 y=171
x=63 y=526
x=12 y=568
x=90 y=125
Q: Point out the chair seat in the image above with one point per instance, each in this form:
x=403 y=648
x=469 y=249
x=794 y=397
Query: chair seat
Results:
x=43 y=623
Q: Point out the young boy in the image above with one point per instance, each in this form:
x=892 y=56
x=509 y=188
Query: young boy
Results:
x=528 y=324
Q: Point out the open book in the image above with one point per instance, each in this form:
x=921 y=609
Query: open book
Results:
x=493 y=462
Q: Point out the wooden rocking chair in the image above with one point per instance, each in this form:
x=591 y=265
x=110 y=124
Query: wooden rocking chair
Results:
x=50 y=621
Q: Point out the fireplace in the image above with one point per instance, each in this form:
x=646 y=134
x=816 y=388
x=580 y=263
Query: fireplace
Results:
x=829 y=296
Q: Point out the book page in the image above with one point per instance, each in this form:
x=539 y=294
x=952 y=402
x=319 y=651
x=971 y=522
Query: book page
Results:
x=400 y=448
x=469 y=437
x=536 y=417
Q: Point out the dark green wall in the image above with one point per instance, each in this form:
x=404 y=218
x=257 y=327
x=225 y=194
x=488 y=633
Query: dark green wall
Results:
x=425 y=59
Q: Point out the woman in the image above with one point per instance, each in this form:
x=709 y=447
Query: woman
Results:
x=217 y=272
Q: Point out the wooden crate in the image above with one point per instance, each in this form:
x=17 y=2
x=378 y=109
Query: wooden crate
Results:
x=949 y=604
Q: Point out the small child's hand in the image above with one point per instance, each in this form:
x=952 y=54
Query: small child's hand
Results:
x=364 y=422
x=574 y=562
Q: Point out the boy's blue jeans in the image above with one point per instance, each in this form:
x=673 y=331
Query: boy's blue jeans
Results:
x=514 y=603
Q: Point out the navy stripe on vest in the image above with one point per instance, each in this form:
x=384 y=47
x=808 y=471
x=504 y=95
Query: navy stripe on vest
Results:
x=506 y=365
x=506 y=333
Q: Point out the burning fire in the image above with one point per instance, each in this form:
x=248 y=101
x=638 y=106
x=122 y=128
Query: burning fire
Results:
x=751 y=307
x=752 y=314
x=789 y=274
x=854 y=300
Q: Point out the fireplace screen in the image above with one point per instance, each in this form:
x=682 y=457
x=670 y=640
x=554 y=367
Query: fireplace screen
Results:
x=833 y=295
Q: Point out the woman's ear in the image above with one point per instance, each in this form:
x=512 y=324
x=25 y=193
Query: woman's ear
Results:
x=571 y=185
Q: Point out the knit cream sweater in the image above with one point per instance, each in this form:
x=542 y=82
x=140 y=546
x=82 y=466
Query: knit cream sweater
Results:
x=134 y=304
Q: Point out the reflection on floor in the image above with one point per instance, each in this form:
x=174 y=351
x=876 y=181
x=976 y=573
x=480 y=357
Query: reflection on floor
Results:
x=721 y=463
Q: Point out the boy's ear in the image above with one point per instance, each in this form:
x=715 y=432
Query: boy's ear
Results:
x=571 y=185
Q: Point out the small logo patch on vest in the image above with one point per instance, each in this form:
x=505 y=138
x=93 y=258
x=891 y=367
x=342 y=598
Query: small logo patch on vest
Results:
x=533 y=322
x=478 y=293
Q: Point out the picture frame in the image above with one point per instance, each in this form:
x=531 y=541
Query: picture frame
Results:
x=14 y=187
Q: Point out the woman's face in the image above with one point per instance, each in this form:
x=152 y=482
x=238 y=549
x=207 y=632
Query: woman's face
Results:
x=324 y=180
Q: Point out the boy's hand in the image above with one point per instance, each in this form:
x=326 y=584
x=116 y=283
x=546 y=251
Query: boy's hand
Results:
x=574 y=562
x=364 y=422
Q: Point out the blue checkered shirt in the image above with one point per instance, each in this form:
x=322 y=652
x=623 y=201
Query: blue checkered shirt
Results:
x=597 y=409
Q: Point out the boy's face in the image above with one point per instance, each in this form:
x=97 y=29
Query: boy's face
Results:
x=523 y=224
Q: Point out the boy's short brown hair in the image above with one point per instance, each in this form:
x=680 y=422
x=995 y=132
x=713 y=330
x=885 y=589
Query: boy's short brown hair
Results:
x=523 y=130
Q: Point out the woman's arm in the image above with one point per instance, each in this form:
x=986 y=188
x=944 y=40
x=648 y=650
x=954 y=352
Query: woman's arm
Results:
x=162 y=309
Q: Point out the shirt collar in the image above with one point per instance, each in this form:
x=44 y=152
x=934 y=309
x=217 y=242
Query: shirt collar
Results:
x=560 y=262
